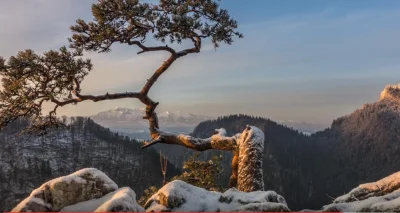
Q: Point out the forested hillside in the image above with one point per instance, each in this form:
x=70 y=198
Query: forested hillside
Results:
x=308 y=170
x=285 y=155
x=27 y=161
x=363 y=146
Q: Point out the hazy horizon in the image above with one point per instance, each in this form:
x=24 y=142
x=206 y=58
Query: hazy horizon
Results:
x=308 y=61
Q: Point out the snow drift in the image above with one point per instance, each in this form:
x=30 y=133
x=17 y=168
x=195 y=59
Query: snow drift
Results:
x=90 y=190
x=178 y=196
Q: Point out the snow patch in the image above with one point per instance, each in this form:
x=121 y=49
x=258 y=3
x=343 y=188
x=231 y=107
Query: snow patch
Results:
x=124 y=199
x=183 y=197
x=179 y=196
x=234 y=199
x=98 y=175
x=77 y=178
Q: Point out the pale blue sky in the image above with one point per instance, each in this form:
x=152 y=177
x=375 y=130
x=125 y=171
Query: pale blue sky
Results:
x=309 y=60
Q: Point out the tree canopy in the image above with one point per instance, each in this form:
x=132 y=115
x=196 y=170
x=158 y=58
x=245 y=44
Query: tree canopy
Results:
x=30 y=79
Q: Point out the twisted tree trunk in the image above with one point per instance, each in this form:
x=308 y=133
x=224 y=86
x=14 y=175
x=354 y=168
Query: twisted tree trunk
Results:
x=248 y=148
x=250 y=160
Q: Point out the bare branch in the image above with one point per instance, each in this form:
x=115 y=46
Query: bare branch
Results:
x=150 y=49
x=157 y=74
x=168 y=63
x=97 y=98
x=196 y=49
x=151 y=143
x=217 y=141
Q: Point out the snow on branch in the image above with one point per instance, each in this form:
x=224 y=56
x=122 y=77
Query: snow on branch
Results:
x=218 y=141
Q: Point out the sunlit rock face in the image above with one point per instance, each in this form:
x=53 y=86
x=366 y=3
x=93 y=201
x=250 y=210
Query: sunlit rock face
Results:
x=391 y=92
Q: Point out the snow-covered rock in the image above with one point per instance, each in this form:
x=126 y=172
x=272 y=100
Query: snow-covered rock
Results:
x=83 y=185
x=385 y=203
x=378 y=188
x=122 y=200
x=382 y=195
x=178 y=196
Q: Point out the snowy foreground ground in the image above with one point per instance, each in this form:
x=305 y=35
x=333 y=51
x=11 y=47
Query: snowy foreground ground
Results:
x=90 y=190
x=379 y=196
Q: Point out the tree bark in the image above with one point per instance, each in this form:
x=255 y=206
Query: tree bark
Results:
x=250 y=162
x=248 y=148
x=218 y=141
x=234 y=176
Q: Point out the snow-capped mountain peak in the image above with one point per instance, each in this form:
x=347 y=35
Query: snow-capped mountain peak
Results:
x=120 y=113
x=124 y=114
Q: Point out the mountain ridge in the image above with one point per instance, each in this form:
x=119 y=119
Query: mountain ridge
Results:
x=176 y=121
x=128 y=114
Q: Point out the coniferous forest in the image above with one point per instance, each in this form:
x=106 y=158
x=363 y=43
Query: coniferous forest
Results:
x=27 y=161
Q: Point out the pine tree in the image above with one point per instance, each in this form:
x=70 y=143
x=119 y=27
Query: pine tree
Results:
x=203 y=174
x=30 y=80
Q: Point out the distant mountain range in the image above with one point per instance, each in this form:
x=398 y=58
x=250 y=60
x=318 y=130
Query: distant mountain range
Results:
x=122 y=114
x=131 y=122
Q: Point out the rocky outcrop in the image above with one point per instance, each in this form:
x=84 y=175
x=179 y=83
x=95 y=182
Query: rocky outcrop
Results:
x=178 y=196
x=391 y=92
x=90 y=190
x=83 y=185
x=379 y=196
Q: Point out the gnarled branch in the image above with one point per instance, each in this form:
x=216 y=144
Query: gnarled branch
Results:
x=218 y=141
x=56 y=76
x=150 y=49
